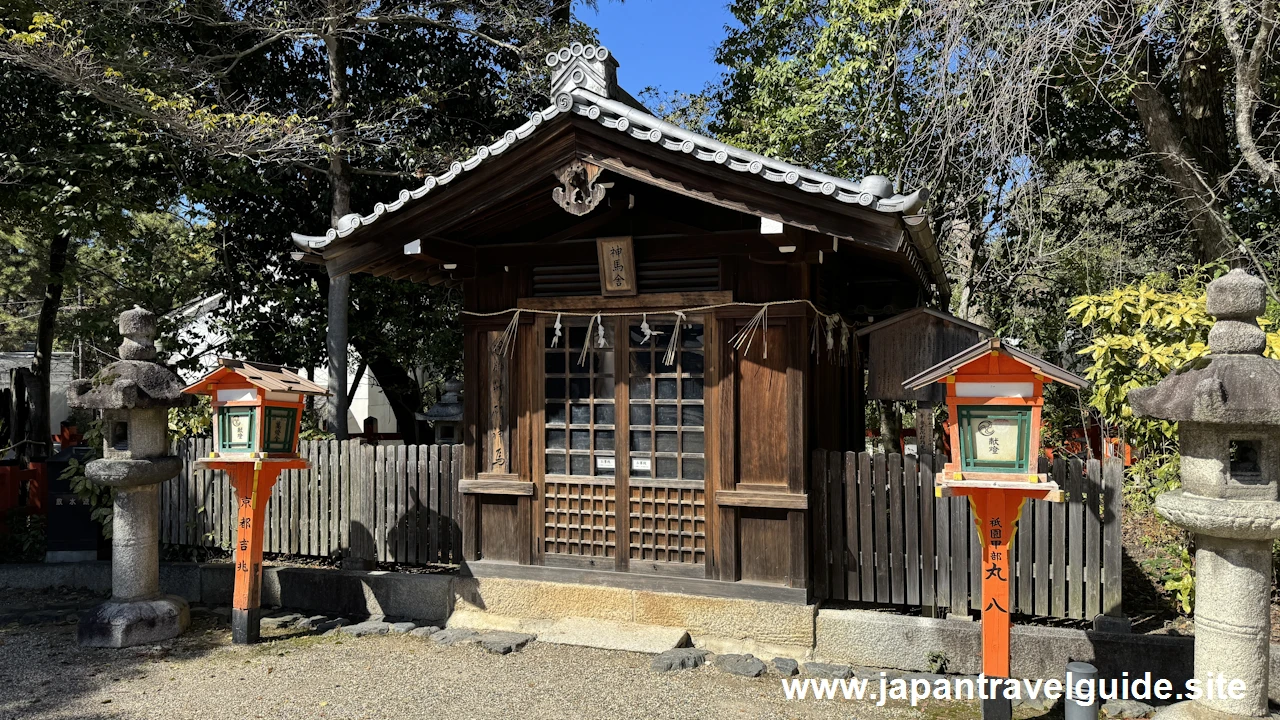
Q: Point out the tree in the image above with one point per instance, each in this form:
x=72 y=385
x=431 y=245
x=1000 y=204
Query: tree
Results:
x=340 y=103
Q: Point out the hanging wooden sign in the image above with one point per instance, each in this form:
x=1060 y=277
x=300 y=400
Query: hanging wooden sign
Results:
x=617 y=266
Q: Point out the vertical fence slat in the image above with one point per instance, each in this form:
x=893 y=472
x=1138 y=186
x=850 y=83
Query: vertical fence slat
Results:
x=853 y=564
x=433 y=506
x=1058 y=545
x=411 y=504
x=897 y=550
x=942 y=542
x=835 y=525
x=323 y=471
x=401 y=523
x=959 y=554
x=928 y=551
x=1075 y=538
x=819 y=518
x=911 y=510
x=1112 y=481
x=866 y=526
x=975 y=560
x=880 y=503
x=380 y=502
x=455 y=526
x=1093 y=540
x=446 y=503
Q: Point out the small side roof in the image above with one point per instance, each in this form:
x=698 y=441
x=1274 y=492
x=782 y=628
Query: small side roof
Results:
x=261 y=375
x=954 y=363
x=944 y=316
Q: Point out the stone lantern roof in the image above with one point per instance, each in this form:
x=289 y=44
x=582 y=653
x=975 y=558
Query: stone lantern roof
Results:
x=135 y=381
x=1234 y=384
x=449 y=408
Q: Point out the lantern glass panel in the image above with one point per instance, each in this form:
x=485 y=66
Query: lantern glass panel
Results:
x=995 y=439
x=281 y=423
x=236 y=429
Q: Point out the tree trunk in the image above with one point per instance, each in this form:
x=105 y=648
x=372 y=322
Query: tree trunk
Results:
x=339 y=287
x=890 y=426
x=41 y=422
x=1167 y=138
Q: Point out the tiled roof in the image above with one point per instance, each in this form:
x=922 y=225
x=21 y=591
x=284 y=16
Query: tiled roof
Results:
x=583 y=85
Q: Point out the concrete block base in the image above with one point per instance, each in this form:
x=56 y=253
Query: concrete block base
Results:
x=117 y=624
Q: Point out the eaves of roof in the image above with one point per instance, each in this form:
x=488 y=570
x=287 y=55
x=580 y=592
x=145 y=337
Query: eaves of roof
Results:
x=954 y=363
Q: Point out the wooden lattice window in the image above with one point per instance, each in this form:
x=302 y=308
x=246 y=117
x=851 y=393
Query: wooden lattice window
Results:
x=580 y=518
x=579 y=401
x=668 y=524
x=666 y=404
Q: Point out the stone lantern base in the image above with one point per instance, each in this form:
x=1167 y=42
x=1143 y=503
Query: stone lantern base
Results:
x=125 y=623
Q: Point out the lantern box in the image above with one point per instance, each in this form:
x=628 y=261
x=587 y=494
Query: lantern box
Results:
x=257 y=408
x=995 y=394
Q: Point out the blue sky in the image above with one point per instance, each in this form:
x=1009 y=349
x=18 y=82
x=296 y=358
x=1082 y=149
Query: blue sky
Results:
x=665 y=43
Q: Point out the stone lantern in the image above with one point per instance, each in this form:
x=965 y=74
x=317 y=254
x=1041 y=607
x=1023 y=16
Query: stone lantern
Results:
x=134 y=395
x=1227 y=406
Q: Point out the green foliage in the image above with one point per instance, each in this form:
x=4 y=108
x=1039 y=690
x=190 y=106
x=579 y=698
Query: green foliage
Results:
x=25 y=539
x=192 y=421
x=1181 y=580
x=1141 y=333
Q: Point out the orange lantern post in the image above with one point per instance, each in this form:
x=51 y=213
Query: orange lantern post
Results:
x=257 y=416
x=995 y=394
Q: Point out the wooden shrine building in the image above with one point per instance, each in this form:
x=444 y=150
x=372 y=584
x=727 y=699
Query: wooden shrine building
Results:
x=657 y=334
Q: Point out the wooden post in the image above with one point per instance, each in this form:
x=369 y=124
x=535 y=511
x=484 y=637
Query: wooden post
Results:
x=924 y=428
x=252 y=480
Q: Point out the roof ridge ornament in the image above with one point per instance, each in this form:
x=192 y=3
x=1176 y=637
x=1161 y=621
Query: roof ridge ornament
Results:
x=588 y=67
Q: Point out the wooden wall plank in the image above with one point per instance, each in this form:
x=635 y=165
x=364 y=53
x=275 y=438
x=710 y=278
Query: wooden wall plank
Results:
x=866 y=527
x=880 y=504
x=1112 y=549
x=912 y=517
x=853 y=563
x=1093 y=540
x=324 y=451
x=1075 y=538
x=400 y=525
x=975 y=560
x=897 y=536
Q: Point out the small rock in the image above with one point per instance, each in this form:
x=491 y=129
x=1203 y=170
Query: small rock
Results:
x=786 y=667
x=744 y=665
x=827 y=670
x=502 y=643
x=368 y=627
x=678 y=659
x=1126 y=709
x=311 y=623
x=454 y=636
x=331 y=627
x=279 y=621
x=401 y=628
x=424 y=632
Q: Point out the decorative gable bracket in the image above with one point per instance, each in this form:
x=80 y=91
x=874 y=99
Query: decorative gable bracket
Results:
x=580 y=194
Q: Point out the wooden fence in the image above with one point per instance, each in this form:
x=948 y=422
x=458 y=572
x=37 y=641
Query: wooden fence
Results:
x=891 y=541
x=406 y=516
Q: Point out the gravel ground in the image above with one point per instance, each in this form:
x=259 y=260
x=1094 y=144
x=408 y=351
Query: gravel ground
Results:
x=45 y=675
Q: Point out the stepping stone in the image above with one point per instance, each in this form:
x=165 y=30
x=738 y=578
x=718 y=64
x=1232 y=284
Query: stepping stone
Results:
x=827 y=670
x=454 y=636
x=401 y=628
x=609 y=635
x=368 y=627
x=786 y=667
x=311 y=623
x=331 y=627
x=744 y=665
x=678 y=659
x=424 y=632
x=502 y=643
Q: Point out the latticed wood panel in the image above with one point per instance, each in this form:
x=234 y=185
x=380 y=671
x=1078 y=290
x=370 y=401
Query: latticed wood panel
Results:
x=668 y=524
x=580 y=518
